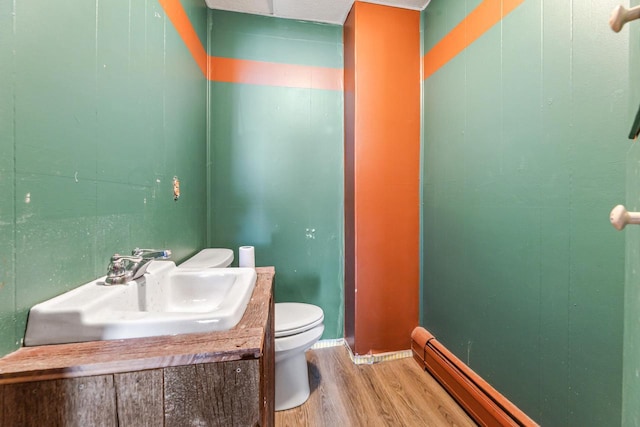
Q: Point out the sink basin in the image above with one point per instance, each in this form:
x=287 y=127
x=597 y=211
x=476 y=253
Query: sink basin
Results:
x=167 y=300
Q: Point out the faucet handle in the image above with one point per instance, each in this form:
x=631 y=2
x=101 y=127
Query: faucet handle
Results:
x=121 y=258
x=118 y=271
x=152 y=253
x=116 y=267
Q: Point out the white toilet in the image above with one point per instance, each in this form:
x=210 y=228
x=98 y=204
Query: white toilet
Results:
x=210 y=258
x=298 y=326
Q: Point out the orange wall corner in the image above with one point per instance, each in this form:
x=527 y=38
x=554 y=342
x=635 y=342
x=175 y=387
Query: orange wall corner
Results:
x=382 y=149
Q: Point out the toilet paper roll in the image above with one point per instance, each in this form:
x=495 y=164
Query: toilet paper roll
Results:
x=246 y=257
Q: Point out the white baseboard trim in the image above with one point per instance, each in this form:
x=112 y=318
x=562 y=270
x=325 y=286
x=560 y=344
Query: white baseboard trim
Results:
x=363 y=359
x=328 y=343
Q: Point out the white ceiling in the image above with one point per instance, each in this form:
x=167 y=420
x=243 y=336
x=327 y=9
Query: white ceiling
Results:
x=329 y=11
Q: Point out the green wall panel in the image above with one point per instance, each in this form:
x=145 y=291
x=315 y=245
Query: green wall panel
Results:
x=7 y=66
x=523 y=274
x=262 y=38
x=55 y=89
x=555 y=102
x=599 y=110
x=55 y=243
x=276 y=161
x=106 y=109
x=7 y=183
x=631 y=354
x=7 y=268
x=277 y=185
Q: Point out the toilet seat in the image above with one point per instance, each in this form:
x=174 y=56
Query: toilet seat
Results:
x=294 y=318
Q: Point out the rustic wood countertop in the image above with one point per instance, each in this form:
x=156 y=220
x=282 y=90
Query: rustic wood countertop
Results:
x=245 y=341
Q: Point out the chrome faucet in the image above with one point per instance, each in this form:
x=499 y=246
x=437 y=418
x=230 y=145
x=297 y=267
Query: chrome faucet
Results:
x=123 y=268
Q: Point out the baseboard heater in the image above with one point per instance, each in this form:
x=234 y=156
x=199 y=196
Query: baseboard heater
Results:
x=481 y=401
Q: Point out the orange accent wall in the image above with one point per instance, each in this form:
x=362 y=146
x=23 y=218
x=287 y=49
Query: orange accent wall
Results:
x=482 y=18
x=382 y=172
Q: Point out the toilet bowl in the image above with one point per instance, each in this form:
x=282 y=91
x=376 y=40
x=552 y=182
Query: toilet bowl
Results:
x=298 y=327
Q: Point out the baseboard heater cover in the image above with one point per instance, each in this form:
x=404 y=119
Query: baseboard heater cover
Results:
x=481 y=401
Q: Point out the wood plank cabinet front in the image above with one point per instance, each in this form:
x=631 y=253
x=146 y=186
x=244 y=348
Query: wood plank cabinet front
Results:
x=236 y=389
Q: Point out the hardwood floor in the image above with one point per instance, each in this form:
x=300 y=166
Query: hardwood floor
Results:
x=393 y=393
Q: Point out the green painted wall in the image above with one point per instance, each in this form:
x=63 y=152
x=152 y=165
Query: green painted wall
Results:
x=524 y=157
x=102 y=105
x=631 y=355
x=8 y=338
x=276 y=160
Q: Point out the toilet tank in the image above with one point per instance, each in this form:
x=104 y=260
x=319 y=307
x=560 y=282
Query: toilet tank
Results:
x=210 y=258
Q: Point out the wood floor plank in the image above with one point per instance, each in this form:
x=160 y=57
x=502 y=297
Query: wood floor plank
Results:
x=407 y=383
x=322 y=393
x=392 y=393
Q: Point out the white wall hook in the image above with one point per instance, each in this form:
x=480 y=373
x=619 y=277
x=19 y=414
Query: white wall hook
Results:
x=620 y=217
x=621 y=16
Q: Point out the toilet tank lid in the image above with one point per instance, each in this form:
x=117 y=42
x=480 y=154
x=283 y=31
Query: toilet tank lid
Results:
x=295 y=317
x=210 y=258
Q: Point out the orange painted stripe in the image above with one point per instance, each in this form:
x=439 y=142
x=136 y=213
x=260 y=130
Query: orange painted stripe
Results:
x=273 y=74
x=246 y=71
x=486 y=15
x=182 y=24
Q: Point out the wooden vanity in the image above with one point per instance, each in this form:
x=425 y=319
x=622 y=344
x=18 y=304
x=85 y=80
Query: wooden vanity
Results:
x=211 y=379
